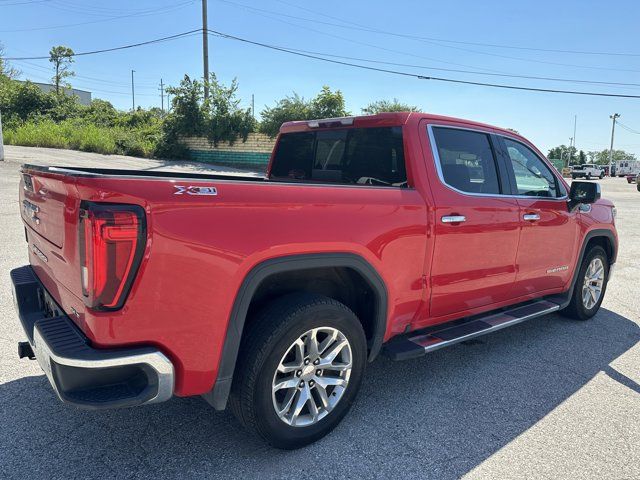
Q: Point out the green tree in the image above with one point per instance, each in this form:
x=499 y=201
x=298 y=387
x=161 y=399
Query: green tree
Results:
x=287 y=109
x=225 y=120
x=568 y=154
x=326 y=104
x=394 y=105
x=6 y=70
x=62 y=58
x=602 y=157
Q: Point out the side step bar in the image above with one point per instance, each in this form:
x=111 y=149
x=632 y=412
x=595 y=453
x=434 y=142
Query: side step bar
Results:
x=417 y=344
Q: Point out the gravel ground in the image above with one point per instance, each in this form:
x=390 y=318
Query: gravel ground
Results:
x=550 y=398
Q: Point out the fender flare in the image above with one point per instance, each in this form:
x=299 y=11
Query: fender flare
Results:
x=218 y=395
x=597 y=232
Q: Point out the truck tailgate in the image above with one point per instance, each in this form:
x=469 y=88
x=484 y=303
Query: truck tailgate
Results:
x=49 y=206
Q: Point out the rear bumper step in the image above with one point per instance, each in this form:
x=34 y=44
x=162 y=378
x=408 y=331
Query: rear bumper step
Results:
x=417 y=344
x=79 y=374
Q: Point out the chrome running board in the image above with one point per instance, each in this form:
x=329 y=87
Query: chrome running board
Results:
x=417 y=344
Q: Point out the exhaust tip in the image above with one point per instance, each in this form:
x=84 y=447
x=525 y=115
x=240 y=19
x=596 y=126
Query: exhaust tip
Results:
x=25 y=351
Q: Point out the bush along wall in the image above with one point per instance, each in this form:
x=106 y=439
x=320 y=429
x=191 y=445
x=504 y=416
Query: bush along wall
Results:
x=252 y=154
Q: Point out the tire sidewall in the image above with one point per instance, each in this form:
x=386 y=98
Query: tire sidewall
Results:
x=583 y=312
x=271 y=426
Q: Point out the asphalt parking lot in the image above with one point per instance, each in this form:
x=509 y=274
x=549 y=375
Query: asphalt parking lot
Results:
x=550 y=398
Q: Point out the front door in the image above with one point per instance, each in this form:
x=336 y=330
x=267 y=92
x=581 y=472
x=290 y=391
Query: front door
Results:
x=549 y=230
x=476 y=223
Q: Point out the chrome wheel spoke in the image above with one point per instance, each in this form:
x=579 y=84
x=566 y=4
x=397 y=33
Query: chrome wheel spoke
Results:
x=593 y=283
x=291 y=383
x=312 y=376
x=330 y=381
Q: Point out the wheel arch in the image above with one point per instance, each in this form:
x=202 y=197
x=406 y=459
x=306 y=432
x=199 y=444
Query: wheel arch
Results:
x=259 y=276
x=599 y=236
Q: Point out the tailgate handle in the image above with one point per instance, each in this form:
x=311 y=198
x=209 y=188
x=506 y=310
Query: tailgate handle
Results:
x=531 y=217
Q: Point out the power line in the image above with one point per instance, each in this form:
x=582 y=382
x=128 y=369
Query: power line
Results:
x=154 y=12
x=420 y=77
x=23 y=3
x=113 y=49
x=479 y=44
x=628 y=129
x=411 y=37
x=507 y=75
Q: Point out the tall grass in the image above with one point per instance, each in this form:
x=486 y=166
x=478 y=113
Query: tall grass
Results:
x=78 y=135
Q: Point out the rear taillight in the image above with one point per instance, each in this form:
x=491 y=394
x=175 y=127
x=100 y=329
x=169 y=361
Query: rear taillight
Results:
x=112 y=241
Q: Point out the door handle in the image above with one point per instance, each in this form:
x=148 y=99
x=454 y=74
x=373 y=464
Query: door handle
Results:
x=531 y=217
x=453 y=219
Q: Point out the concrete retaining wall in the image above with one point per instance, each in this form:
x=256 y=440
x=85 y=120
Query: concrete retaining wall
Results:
x=251 y=155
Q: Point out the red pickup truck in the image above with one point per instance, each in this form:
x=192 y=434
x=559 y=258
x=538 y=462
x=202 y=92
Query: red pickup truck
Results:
x=397 y=233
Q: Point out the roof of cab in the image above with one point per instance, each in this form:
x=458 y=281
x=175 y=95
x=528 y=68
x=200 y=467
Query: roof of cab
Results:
x=383 y=120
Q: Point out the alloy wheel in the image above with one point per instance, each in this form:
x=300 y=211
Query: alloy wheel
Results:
x=312 y=376
x=593 y=283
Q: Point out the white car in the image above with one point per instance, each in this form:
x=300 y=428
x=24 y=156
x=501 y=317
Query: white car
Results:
x=587 y=171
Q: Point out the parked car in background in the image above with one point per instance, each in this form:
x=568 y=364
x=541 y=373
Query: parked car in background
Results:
x=396 y=233
x=587 y=171
x=627 y=167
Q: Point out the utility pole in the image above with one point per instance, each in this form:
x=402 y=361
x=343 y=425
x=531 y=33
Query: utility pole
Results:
x=575 y=121
x=253 y=106
x=133 y=92
x=613 y=117
x=161 y=96
x=570 y=150
x=205 y=48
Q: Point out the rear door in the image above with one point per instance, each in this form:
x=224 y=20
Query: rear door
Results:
x=549 y=229
x=476 y=224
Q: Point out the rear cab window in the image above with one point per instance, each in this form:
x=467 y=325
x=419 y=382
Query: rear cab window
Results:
x=348 y=156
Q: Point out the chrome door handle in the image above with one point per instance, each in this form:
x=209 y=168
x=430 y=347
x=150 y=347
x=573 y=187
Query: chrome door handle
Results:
x=453 y=219
x=531 y=217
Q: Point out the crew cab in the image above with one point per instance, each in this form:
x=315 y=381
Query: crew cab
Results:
x=395 y=234
x=587 y=171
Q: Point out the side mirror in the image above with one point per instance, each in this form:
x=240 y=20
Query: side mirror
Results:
x=584 y=192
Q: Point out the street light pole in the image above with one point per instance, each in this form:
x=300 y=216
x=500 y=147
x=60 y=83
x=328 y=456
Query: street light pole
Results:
x=613 y=117
x=133 y=92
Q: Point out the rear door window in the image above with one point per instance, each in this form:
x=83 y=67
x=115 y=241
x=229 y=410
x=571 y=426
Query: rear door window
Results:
x=352 y=156
x=466 y=160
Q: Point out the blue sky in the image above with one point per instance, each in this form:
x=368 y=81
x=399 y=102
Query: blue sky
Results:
x=546 y=119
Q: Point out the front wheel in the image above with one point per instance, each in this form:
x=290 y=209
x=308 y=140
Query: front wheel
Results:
x=590 y=286
x=588 y=176
x=299 y=369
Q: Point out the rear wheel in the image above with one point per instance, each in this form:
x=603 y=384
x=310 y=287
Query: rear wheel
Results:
x=299 y=369
x=590 y=286
x=588 y=176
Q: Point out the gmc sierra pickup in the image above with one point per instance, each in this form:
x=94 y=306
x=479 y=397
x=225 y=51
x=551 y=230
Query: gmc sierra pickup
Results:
x=397 y=233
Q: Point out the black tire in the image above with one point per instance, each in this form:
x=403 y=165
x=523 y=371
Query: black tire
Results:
x=588 y=176
x=270 y=335
x=573 y=177
x=576 y=308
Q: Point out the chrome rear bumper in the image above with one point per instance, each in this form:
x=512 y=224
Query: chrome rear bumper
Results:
x=81 y=375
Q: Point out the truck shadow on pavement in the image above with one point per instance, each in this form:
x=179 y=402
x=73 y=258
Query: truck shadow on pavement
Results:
x=439 y=416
